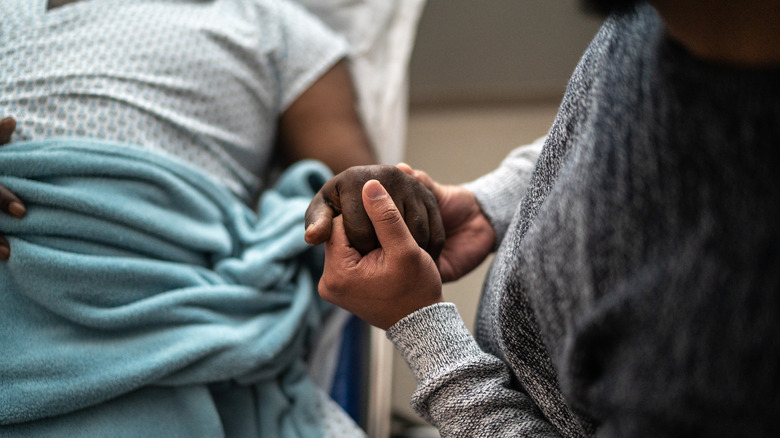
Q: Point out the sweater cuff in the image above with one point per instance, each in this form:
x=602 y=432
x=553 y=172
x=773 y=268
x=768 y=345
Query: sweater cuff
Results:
x=433 y=339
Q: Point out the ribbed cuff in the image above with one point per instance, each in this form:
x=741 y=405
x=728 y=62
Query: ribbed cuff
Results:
x=433 y=338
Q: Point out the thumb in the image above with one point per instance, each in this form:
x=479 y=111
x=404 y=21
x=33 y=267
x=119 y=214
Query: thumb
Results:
x=425 y=179
x=318 y=221
x=389 y=225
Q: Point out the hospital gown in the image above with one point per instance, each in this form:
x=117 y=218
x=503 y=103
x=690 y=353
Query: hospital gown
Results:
x=202 y=81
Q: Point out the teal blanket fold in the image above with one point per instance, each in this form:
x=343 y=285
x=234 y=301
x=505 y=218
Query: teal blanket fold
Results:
x=144 y=299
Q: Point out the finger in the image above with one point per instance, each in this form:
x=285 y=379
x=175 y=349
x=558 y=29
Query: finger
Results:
x=391 y=231
x=7 y=127
x=10 y=204
x=429 y=183
x=437 y=235
x=424 y=178
x=339 y=257
x=357 y=224
x=416 y=219
x=358 y=229
x=339 y=253
x=5 y=249
x=338 y=238
x=318 y=219
x=405 y=168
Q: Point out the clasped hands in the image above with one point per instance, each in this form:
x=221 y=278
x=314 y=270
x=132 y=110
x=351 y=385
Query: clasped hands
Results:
x=392 y=235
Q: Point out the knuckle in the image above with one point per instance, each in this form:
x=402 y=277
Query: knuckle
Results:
x=322 y=290
x=327 y=289
x=328 y=282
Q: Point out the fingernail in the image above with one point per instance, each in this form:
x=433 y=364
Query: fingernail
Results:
x=5 y=252
x=17 y=209
x=374 y=190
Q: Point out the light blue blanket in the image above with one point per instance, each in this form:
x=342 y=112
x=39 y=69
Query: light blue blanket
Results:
x=143 y=299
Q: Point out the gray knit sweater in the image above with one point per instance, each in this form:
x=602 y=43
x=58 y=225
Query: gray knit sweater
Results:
x=636 y=290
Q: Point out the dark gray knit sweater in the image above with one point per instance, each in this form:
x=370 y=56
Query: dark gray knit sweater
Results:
x=636 y=291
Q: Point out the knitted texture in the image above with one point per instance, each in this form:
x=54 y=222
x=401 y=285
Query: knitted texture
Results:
x=636 y=290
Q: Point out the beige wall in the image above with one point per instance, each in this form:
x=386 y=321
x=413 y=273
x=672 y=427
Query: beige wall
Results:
x=497 y=50
x=486 y=76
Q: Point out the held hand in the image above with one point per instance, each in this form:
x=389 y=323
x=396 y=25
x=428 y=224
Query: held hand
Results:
x=389 y=282
x=470 y=237
x=342 y=195
x=7 y=128
x=9 y=203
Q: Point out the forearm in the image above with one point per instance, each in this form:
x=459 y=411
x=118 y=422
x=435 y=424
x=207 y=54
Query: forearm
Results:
x=461 y=389
x=323 y=124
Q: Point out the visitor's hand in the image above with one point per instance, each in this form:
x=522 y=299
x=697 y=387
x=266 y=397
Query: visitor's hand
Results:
x=388 y=283
x=9 y=203
x=342 y=195
x=470 y=237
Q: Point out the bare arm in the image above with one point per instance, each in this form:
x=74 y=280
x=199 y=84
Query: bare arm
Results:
x=323 y=124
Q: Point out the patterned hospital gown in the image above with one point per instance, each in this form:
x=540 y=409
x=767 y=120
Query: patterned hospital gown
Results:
x=204 y=81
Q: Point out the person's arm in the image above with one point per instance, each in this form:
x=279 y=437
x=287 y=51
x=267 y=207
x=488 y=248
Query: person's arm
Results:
x=9 y=203
x=314 y=95
x=462 y=390
x=323 y=124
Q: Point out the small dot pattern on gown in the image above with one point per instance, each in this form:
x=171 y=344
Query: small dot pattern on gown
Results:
x=203 y=81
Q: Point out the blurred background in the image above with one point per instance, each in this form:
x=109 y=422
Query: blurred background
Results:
x=485 y=77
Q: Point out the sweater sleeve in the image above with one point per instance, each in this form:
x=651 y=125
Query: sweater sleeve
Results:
x=499 y=192
x=461 y=389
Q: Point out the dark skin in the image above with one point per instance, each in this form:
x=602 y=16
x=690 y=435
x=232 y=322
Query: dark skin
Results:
x=57 y=3
x=342 y=196
x=9 y=203
x=323 y=124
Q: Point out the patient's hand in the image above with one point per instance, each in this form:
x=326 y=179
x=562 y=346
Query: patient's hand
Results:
x=7 y=128
x=343 y=195
x=9 y=203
